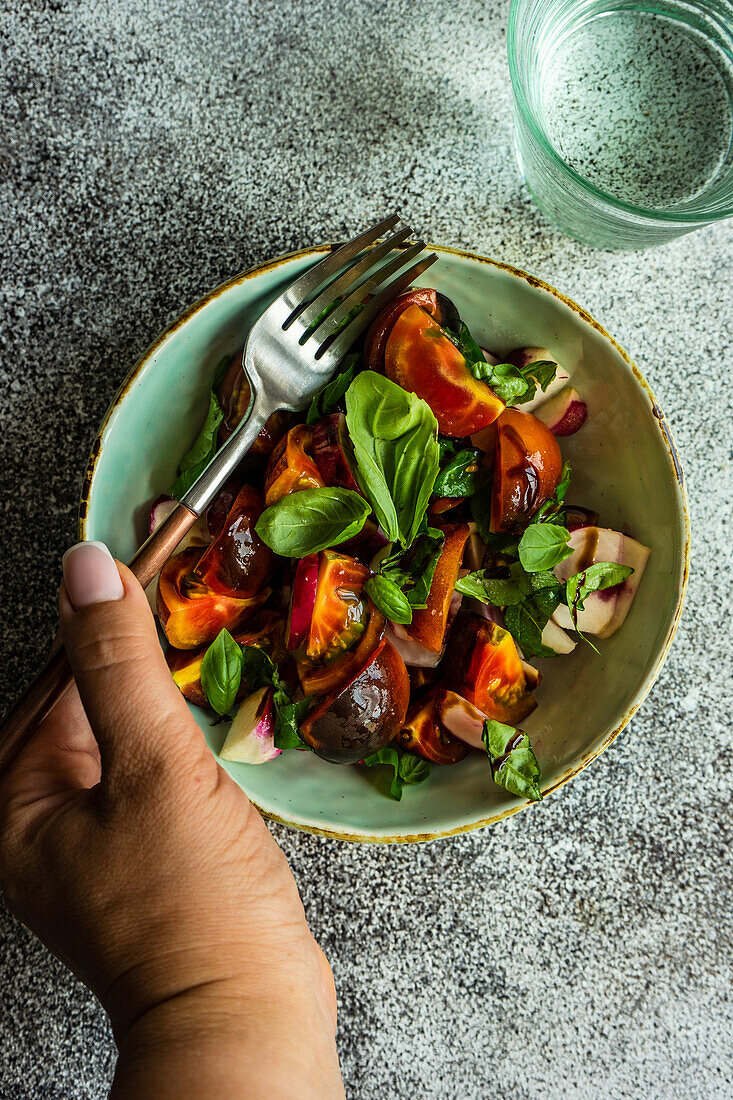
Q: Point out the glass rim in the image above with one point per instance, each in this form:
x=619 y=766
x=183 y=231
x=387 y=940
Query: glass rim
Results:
x=646 y=212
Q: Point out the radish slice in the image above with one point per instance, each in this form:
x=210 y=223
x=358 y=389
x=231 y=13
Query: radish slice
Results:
x=251 y=738
x=563 y=414
x=554 y=637
x=160 y=509
x=491 y=359
x=460 y=718
x=411 y=652
x=303 y=601
x=603 y=611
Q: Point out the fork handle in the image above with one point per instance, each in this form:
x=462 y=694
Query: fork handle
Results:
x=55 y=677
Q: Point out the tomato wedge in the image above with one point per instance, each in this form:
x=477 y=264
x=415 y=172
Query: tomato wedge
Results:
x=323 y=679
x=423 y=735
x=527 y=468
x=291 y=467
x=237 y=562
x=376 y=337
x=429 y=625
x=483 y=665
x=190 y=612
x=420 y=358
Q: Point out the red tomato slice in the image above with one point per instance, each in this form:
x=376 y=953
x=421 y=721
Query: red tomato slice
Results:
x=237 y=562
x=527 y=468
x=428 y=626
x=339 y=613
x=291 y=467
x=423 y=735
x=421 y=358
x=484 y=666
x=376 y=338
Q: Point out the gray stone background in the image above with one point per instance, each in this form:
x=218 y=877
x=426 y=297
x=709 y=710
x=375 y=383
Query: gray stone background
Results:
x=151 y=149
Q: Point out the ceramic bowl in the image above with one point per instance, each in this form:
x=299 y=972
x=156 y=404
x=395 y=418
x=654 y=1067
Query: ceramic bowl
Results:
x=624 y=466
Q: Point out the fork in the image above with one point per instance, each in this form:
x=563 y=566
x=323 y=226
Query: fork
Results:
x=291 y=350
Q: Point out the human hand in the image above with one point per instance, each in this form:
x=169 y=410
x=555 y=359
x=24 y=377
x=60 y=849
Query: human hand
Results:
x=142 y=865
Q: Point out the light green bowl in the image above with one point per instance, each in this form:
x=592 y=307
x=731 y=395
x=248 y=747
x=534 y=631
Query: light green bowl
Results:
x=624 y=466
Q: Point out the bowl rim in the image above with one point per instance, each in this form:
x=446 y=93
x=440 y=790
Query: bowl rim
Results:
x=666 y=438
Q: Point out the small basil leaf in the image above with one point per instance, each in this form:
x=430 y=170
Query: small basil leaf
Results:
x=390 y=599
x=525 y=622
x=392 y=758
x=329 y=396
x=311 y=520
x=494 y=590
x=195 y=460
x=288 y=717
x=421 y=561
x=506 y=544
x=543 y=545
x=221 y=672
x=413 y=769
x=538 y=375
x=514 y=765
x=258 y=669
x=460 y=477
x=603 y=574
x=395 y=440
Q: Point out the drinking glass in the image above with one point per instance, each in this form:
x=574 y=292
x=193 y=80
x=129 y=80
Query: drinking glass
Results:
x=623 y=115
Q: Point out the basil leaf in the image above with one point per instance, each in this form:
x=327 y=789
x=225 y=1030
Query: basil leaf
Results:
x=537 y=375
x=413 y=769
x=603 y=574
x=420 y=563
x=460 y=477
x=514 y=765
x=288 y=717
x=395 y=440
x=525 y=622
x=551 y=511
x=258 y=669
x=505 y=380
x=408 y=769
x=195 y=460
x=543 y=545
x=389 y=598
x=328 y=397
x=494 y=590
x=305 y=522
x=221 y=672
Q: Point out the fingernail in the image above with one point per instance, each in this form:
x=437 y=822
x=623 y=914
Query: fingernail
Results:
x=91 y=575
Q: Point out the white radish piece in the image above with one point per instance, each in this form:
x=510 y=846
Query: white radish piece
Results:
x=554 y=637
x=603 y=611
x=460 y=718
x=563 y=414
x=251 y=738
x=411 y=652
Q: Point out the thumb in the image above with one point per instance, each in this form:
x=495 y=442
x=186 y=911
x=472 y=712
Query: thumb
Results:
x=136 y=712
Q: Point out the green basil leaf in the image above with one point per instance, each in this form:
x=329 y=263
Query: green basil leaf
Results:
x=413 y=769
x=221 y=672
x=543 y=545
x=395 y=440
x=288 y=717
x=505 y=380
x=537 y=375
x=408 y=769
x=525 y=622
x=514 y=765
x=603 y=574
x=195 y=460
x=420 y=562
x=390 y=757
x=305 y=522
x=494 y=590
x=389 y=598
x=258 y=669
x=328 y=397
x=461 y=476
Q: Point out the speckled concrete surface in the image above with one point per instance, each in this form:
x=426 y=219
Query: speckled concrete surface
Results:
x=149 y=150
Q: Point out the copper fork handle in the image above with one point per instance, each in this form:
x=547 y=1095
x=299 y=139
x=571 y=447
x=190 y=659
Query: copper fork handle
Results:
x=55 y=677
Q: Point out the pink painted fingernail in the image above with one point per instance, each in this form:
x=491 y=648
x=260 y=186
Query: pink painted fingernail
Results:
x=91 y=575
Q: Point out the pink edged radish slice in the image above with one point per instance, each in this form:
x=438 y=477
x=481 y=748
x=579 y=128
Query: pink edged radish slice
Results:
x=412 y=653
x=460 y=718
x=554 y=637
x=490 y=359
x=251 y=738
x=604 y=611
x=302 y=601
x=198 y=535
x=563 y=414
